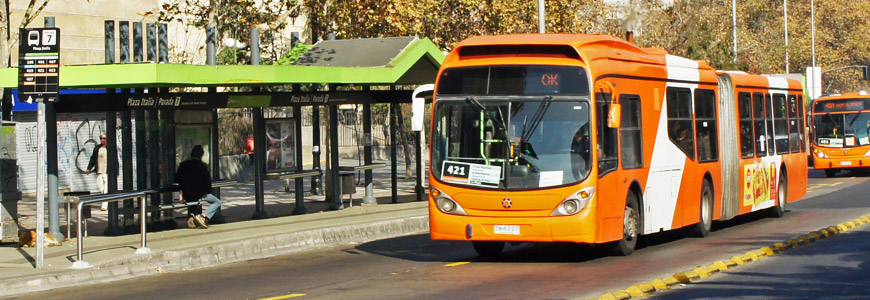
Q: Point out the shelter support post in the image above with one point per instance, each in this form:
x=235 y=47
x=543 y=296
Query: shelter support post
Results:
x=215 y=161
x=168 y=151
x=316 y=181
x=127 y=171
x=334 y=184
x=51 y=156
x=154 y=158
x=299 y=189
x=259 y=163
x=112 y=170
x=393 y=160
x=369 y=198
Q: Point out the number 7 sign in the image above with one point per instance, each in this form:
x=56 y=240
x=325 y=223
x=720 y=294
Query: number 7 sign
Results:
x=49 y=37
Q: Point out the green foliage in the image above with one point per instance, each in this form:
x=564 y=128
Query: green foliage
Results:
x=293 y=55
x=234 y=19
x=696 y=29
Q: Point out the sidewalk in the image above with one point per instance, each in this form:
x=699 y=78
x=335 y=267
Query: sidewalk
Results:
x=240 y=238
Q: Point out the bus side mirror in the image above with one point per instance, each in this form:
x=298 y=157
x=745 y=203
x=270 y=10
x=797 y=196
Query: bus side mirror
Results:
x=614 y=116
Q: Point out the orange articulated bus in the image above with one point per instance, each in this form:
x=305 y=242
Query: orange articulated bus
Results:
x=841 y=132
x=590 y=139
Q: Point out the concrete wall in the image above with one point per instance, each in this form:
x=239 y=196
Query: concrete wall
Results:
x=81 y=23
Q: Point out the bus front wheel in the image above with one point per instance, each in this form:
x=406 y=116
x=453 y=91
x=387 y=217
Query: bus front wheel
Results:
x=630 y=227
x=488 y=249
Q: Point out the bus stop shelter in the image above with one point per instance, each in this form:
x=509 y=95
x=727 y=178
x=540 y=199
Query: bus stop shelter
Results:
x=153 y=101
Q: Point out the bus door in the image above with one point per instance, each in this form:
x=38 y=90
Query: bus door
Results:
x=674 y=146
x=611 y=203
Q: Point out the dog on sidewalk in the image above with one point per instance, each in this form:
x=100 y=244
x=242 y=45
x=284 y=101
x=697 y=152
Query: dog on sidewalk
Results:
x=27 y=238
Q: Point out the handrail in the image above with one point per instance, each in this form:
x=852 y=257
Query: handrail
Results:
x=100 y=198
x=80 y=263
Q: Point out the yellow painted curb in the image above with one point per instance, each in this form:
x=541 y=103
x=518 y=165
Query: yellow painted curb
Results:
x=702 y=272
x=683 y=277
x=760 y=253
x=806 y=238
x=671 y=281
x=748 y=256
x=780 y=247
x=827 y=232
x=720 y=265
x=640 y=289
x=842 y=227
x=615 y=295
x=645 y=289
x=659 y=284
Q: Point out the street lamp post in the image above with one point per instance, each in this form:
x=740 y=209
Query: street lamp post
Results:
x=785 y=19
x=541 y=16
x=734 y=26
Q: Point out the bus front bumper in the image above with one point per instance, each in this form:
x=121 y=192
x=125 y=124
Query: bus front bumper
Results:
x=579 y=228
x=841 y=162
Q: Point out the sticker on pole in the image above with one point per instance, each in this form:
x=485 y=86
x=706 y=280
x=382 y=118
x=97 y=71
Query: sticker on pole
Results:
x=473 y=174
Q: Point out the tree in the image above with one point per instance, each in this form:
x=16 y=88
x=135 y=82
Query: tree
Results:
x=9 y=36
x=234 y=19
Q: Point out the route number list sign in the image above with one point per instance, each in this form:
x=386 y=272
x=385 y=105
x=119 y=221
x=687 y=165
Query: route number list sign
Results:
x=38 y=64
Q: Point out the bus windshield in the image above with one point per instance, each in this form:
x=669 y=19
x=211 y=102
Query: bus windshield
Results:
x=512 y=143
x=842 y=130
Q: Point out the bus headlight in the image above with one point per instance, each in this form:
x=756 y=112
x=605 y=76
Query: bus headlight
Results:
x=446 y=204
x=574 y=203
x=867 y=154
x=821 y=154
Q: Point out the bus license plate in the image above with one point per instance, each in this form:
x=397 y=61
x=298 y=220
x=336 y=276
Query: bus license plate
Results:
x=846 y=163
x=507 y=229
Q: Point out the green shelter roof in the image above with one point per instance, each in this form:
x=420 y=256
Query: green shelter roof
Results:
x=416 y=63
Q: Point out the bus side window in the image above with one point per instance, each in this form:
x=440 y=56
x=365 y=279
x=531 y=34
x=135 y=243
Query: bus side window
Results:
x=793 y=125
x=758 y=116
x=631 y=138
x=705 y=125
x=801 y=118
x=768 y=115
x=744 y=105
x=780 y=120
x=680 y=127
x=607 y=137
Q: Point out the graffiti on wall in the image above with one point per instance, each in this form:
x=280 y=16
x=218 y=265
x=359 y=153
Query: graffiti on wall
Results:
x=77 y=135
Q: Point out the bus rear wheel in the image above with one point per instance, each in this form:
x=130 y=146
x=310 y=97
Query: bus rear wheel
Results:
x=488 y=249
x=781 y=198
x=702 y=229
x=630 y=227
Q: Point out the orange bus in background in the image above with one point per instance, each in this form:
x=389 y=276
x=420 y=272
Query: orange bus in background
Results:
x=841 y=132
x=590 y=139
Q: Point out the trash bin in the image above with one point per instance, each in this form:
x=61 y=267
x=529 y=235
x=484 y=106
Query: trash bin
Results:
x=347 y=185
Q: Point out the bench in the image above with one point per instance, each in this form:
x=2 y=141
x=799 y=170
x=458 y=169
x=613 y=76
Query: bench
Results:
x=179 y=204
x=286 y=176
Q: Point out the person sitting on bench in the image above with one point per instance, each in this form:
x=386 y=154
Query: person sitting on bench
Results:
x=195 y=182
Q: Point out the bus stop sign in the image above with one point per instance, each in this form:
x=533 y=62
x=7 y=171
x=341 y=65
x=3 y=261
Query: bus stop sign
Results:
x=38 y=64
